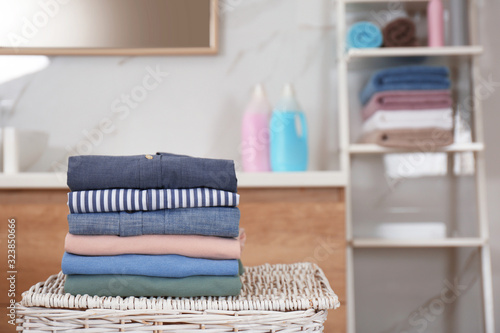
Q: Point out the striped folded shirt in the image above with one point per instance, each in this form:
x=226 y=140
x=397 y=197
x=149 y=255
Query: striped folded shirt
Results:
x=119 y=200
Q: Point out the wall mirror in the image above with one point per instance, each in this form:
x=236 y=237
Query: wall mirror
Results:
x=108 y=27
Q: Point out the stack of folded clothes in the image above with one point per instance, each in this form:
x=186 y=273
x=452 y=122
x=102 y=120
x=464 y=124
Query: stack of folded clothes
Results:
x=408 y=107
x=152 y=225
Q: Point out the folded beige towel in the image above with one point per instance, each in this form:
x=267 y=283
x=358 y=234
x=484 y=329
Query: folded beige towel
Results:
x=186 y=245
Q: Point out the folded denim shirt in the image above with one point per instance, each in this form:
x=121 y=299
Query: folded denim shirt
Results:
x=163 y=170
x=119 y=200
x=211 y=221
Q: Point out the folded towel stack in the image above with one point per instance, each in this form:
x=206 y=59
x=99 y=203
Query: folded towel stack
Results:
x=408 y=107
x=152 y=225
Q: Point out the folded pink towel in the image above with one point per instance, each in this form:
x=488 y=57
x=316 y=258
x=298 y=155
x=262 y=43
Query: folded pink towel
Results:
x=186 y=245
x=407 y=100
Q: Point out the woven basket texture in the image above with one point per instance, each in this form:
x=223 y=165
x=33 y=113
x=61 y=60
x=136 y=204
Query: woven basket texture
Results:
x=274 y=298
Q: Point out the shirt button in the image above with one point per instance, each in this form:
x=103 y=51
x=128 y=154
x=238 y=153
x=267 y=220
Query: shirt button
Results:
x=149 y=157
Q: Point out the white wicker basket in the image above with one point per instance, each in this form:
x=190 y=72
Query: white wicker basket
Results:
x=274 y=298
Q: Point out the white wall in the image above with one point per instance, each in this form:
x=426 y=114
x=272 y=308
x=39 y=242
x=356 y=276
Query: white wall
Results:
x=197 y=109
x=491 y=66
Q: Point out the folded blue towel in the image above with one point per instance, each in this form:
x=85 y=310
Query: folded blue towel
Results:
x=169 y=265
x=406 y=78
x=213 y=221
x=363 y=35
x=149 y=171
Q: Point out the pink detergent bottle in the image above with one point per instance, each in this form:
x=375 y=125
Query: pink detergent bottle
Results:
x=435 y=18
x=255 y=133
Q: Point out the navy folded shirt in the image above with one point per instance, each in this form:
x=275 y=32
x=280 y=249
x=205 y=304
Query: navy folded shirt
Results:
x=163 y=170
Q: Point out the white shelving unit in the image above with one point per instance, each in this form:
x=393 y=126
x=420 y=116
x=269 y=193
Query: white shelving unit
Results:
x=348 y=151
x=48 y=180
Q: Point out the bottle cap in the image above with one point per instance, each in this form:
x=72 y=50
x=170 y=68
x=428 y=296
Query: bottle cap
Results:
x=259 y=102
x=288 y=102
x=288 y=90
x=259 y=91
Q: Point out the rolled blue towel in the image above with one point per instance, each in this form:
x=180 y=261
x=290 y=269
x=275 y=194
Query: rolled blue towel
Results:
x=406 y=78
x=364 y=35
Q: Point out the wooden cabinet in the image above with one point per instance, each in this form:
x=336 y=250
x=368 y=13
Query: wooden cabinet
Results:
x=283 y=226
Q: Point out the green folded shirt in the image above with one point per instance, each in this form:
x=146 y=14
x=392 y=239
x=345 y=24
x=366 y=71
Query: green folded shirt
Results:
x=147 y=286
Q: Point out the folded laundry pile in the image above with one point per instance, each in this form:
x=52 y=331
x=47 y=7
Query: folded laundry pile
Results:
x=408 y=107
x=152 y=225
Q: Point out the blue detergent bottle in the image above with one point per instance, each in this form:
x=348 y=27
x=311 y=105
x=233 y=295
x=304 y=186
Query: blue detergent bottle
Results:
x=288 y=134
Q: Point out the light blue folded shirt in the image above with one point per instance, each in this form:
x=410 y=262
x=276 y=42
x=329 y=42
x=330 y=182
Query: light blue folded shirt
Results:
x=171 y=265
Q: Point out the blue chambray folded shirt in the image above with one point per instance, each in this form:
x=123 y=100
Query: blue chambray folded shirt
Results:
x=212 y=221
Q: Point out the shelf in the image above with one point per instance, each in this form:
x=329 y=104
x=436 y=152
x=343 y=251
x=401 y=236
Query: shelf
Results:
x=376 y=149
x=417 y=243
x=47 y=180
x=292 y=179
x=245 y=180
x=375 y=1
x=414 y=51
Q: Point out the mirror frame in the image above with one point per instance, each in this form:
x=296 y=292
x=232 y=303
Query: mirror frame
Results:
x=154 y=51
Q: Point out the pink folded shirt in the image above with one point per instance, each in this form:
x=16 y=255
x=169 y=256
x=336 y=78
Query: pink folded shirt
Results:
x=408 y=100
x=186 y=245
